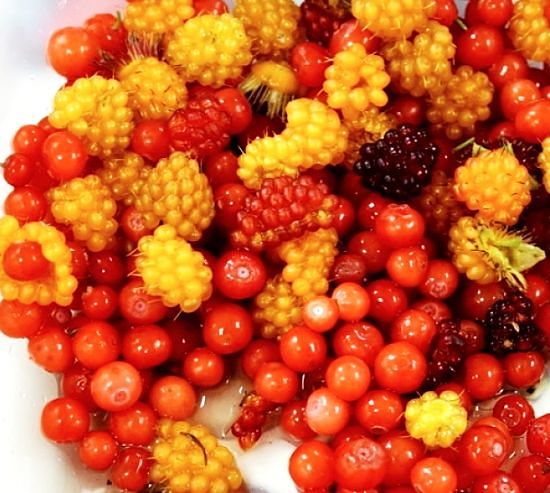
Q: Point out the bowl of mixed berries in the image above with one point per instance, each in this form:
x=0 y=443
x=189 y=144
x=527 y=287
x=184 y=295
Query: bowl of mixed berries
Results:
x=275 y=247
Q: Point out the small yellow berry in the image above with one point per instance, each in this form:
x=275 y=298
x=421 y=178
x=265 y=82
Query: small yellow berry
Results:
x=544 y=163
x=530 y=30
x=157 y=16
x=436 y=420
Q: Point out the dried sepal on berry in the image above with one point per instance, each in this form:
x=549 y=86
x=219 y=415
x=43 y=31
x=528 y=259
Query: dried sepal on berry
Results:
x=464 y=102
x=529 y=30
x=355 y=81
x=209 y=49
x=281 y=210
x=495 y=185
x=422 y=65
x=96 y=110
x=157 y=17
x=544 y=163
x=313 y=136
x=154 y=88
x=272 y=25
x=277 y=309
x=308 y=261
x=172 y=270
x=393 y=19
x=58 y=284
x=175 y=192
x=122 y=175
x=188 y=457
x=270 y=84
x=87 y=206
x=437 y=420
x=488 y=252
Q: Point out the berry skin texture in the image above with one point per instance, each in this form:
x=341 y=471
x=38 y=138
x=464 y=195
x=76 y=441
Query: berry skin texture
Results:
x=530 y=30
x=483 y=376
x=355 y=81
x=65 y=420
x=189 y=458
x=239 y=274
x=311 y=465
x=433 y=475
x=393 y=20
x=271 y=26
x=400 y=367
x=201 y=128
x=463 y=102
x=209 y=49
x=423 y=65
x=544 y=164
x=483 y=449
x=87 y=206
x=538 y=436
x=57 y=285
x=178 y=194
x=123 y=176
x=487 y=253
x=399 y=164
x=313 y=136
x=156 y=17
x=154 y=88
x=308 y=261
x=495 y=185
x=97 y=111
x=171 y=269
x=436 y=420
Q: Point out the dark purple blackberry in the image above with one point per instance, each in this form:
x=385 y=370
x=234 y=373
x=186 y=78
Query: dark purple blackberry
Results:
x=320 y=20
x=400 y=164
x=447 y=354
x=510 y=325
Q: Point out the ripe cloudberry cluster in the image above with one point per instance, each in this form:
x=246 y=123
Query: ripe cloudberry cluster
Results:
x=263 y=226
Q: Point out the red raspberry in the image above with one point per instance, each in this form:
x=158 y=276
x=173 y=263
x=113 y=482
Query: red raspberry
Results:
x=202 y=127
x=282 y=209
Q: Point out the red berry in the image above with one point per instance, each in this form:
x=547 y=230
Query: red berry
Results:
x=18 y=170
x=538 y=436
x=441 y=280
x=137 y=307
x=221 y=168
x=360 y=464
x=228 y=328
x=131 y=469
x=26 y=204
x=20 y=320
x=433 y=475
x=293 y=421
x=348 y=377
x=75 y=383
x=533 y=121
x=398 y=225
x=116 y=386
x=65 y=420
x=408 y=109
x=361 y=339
x=107 y=267
x=495 y=13
x=311 y=465
x=416 y=327
x=514 y=411
x=387 y=300
x=403 y=453
x=276 y=382
x=348 y=267
x=51 y=349
x=239 y=274
x=258 y=352
x=379 y=411
x=480 y=46
x=72 y=52
x=134 y=426
x=352 y=300
x=446 y=12
x=173 y=397
x=352 y=32
x=203 y=367
x=302 y=349
x=483 y=449
x=407 y=266
x=400 y=367
x=151 y=140
x=96 y=344
x=372 y=250
x=483 y=376
x=309 y=61
x=532 y=474
x=25 y=261
x=326 y=413
x=109 y=32
x=146 y=346
x=523 y=370
x=97 y=450
x=28 y=141
x=64 y=155
x=516 y=94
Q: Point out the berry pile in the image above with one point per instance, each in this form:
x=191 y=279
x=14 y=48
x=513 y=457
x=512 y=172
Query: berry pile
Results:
x=273 y=204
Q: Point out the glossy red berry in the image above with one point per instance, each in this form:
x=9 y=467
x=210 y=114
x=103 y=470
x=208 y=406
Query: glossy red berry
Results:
x=239 y=274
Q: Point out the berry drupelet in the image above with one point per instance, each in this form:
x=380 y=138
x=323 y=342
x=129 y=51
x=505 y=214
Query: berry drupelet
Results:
x=399 y=164
x=252 y=418
x=321 y=18
x=510 y=325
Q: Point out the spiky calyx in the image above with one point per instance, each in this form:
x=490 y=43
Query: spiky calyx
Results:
x=97 y=110
x=314 y=136
x=57 y=285
x=177 y=193
x=171 y=269
x=155 y=89
x=272 y=85
x=423 y=65
x=272 y=25
x=355 y=81
x=488 y=252
x=463 y=103
x=209 y=49
x=494 y=184
x=277 y=309
x=88 y=207
x=437 y=420
x=188 y=458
